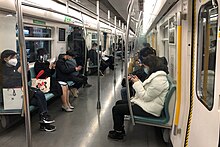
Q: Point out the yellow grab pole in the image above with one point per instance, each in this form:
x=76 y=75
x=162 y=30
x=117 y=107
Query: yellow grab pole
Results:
x=179 y=66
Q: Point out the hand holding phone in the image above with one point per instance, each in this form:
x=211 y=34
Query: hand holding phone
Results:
x=134 y=78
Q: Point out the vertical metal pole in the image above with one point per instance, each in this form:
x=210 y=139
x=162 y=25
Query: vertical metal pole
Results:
x=109 y=17
x=23 y=58
x=98 y=41
x=126 y=59
x=137 y=32
x=67 y=6
x=85 y=48
x=122 y=51
x=115 y=41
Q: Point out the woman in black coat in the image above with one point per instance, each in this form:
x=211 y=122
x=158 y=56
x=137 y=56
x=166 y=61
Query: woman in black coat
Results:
x=10 y=73
x=60 y=90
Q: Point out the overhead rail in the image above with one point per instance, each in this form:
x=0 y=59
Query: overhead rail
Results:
x=23 y=59
x=130 y=6
x=50 y=10
x=93 y=13
x=80 y=5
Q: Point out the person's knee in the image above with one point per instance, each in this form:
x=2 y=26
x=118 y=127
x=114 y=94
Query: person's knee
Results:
x=114 y=110
x=39 y=94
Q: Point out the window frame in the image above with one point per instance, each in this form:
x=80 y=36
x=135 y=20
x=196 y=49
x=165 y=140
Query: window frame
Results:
x=50 y=39
x=201 y=49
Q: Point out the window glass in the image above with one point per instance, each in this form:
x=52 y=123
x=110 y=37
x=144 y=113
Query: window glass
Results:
x=36 y=37
x=36 y=32
x=206 y=55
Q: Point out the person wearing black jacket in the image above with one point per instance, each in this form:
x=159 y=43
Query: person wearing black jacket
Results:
x=93 y=56
x=10 y=74
x=48 y=71
x=59 y=90
x=64 y=73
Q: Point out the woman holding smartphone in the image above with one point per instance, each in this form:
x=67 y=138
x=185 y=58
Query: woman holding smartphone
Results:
x=149 y=97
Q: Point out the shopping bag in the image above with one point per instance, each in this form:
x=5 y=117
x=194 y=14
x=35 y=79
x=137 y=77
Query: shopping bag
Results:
x=41 y=84
x=12 y=98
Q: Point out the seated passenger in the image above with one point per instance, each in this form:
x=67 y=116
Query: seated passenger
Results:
x=147 y=50
x=11 y=78
x=148 y=100
x=71 y=63
x=107 y=61
x=59 y=90
x=41 y=64
x=64 y=73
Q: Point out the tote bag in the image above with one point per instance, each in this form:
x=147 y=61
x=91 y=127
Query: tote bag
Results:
x=12 y=98
x=41 y=84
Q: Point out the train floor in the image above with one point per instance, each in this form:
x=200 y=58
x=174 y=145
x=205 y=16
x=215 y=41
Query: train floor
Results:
x=85 y=126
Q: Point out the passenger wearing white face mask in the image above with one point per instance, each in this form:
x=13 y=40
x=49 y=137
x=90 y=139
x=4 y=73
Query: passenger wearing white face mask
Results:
x=149 y=98
x=10 y=77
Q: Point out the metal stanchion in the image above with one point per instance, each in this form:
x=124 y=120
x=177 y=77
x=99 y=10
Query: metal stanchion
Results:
x=23 y=58
x=85 y=48
x=98 y=41
x=115 y=41
x=126 y=59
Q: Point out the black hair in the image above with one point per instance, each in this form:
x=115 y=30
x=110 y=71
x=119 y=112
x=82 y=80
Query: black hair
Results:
x=148 y=51
x=61 y=56
x=6 y=54
x=145 y=44
x=41 y=52
x=94 y=44
x=71 y=53
x=155 y=64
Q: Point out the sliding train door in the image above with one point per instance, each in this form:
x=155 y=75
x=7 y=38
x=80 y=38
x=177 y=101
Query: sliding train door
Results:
x=203 y=125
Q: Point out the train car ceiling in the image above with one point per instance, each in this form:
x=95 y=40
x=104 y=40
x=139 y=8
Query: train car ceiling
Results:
x=161 y=8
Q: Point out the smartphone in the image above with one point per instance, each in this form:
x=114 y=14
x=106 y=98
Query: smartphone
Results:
x=132 y=76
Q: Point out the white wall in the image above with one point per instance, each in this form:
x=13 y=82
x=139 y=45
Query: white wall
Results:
x=7 y=32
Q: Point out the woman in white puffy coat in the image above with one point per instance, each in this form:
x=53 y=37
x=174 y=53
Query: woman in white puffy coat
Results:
x=149 y=98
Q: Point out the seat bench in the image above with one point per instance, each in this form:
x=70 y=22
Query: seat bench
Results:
x=166 y=118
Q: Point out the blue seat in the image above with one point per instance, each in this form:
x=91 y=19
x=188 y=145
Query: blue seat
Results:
x=166 y=118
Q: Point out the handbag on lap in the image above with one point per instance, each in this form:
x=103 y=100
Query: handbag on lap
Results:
x=41 y=84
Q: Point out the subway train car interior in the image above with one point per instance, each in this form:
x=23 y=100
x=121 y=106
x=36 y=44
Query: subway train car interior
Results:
x=95 y=73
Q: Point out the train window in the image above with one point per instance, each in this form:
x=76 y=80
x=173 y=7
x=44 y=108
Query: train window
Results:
x=62 y=34
x=94 y=38
x=206 y=55
x=35 y=38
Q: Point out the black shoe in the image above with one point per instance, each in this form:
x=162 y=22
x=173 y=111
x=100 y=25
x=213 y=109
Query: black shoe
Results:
x=113 y=131
x=45 y=119
x=86 y=85
x=112 y=67
x=47 y=127
x=115 y=135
